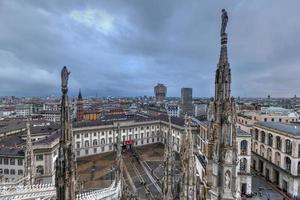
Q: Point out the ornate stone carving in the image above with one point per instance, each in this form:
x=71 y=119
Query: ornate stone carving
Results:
x=224 y=22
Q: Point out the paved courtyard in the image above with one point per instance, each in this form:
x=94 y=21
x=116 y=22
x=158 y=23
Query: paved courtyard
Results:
x=264 y=190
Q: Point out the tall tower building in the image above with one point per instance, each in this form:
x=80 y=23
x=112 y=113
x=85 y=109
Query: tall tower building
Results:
x=160 y=92
x=79 y=107
x=65 y=175
x=222 y=158
x=187 y=101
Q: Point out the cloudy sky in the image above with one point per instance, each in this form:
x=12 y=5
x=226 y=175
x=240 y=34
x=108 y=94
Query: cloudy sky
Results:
x=126 y=47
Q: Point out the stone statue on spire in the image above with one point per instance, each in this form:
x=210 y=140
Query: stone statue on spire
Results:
x=224 y=22
x=64 y=79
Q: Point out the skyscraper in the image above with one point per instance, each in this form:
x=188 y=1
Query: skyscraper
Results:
x=160 y=92
x=187 y=101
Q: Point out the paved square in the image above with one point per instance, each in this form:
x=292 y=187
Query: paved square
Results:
x=260 y=186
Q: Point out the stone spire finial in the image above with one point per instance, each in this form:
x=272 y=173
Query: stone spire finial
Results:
x=65 y=174
x=168 y=179
x=29 y=158
x=64 y=79
x=119 y=169
x=223 y=73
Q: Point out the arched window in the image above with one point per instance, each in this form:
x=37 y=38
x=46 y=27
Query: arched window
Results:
x=277 y=158
x=298 y=150
x=288 y=164
x=243 y=164
x=255 y=147
x=269 y=154
x=102 y=141
x=270 y=139
x=288 y=147
x=95 y=142
x=278 y=142
x=263 y=137
x=298 y=168
x=262 y=150
x=40 y=170
x=86 y=143
x=244 y=147
x=256 y=134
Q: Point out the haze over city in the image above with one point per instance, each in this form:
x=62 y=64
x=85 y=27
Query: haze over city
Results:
x=113 y=48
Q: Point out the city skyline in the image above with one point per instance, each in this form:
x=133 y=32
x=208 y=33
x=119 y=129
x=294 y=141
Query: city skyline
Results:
x=124 y=49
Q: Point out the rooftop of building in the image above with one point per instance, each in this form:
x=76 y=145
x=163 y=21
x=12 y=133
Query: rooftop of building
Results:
x=48 y=139
x=286 y=128
x=136 y=117
x=12 y=141
x=240 y=132
x=42 y=129
x=57 y=112
x=11 y=151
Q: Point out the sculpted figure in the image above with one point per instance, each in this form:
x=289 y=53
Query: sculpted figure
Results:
x=224 y=21
x=227 y=179
x=64 y=78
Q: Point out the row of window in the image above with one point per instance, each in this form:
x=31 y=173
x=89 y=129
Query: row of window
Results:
x=110 y=147
x=11 y=172
x=11 y=161
x=288 y=144
x=279 y=120
x=277 y=159
x=103 y=141
x=110 y=132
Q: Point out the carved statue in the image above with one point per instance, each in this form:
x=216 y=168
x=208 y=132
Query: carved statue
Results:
x=64 y=78
x=227 y=180
x=224 y=21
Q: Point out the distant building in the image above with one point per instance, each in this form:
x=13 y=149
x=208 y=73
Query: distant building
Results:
x=12 y=154
x=91 y=115
x=24 y=110
x=173 y=110
x=200 y=109
x=50 y=115
x=246 y=118
x=187 y=101
x=51 y=106
x=160 y=92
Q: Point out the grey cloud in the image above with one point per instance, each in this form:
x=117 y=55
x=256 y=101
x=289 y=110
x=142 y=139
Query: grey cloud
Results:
x=172 y=42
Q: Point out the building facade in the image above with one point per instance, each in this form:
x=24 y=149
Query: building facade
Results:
x=187 y=101
x=160 y=92
x=276 y=155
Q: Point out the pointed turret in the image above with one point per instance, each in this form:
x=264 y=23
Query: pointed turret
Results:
x=222 y=144
x=29 y=158
x=188 y=188
x=119 y=169
x=79 y=95
x=223 y=72
x=79 y=107
x=65 y=174
x=168 y=180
